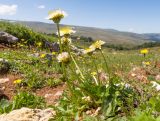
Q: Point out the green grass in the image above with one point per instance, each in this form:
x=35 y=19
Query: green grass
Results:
x=32 y=68
x=22 y=99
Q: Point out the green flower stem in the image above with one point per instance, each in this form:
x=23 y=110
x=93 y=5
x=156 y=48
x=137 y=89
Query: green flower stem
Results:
x=69 y=51
x=61 y=49
x=77 y=66
x=73 y=71
x=96 y=69
x=97 y=83
x=105 y=62
x=59 y=38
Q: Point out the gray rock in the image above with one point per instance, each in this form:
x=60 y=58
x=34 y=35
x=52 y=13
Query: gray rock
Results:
x=52 y=46
x=77 y=50
x=4 y=66
x=26 y=114
x=6 y=38
x=4 y=80
x=49 y=58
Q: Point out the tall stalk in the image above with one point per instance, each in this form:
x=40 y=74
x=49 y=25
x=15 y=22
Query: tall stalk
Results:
x=61 y=49
x=106 y=64
x=80 y=72
x=59 y=38
x=75 y=63
x=96 y=68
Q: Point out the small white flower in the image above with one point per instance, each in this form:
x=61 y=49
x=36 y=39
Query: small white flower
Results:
x=77 y=72
x=77 y=88
x=4 y=60
x=86 y=98
x=156 y=85
x=97 y=111
x=158 y=77
x=63 y=57
x=1 y=59
x=133 y=74
x=127 y=85
x=107 y=85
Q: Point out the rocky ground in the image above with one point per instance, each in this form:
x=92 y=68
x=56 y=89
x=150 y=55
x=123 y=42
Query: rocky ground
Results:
x=26 y=114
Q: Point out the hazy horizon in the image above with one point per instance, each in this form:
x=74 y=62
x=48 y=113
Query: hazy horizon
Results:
x=85 y=26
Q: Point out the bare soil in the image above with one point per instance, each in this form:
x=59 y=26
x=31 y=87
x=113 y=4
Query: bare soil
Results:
x=51 y=94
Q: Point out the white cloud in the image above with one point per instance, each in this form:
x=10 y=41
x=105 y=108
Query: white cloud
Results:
x=131 y=30
x=8 y=9
x=41 y=6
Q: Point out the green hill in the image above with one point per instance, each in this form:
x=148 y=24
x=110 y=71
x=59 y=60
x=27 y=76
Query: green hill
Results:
x=110 y=36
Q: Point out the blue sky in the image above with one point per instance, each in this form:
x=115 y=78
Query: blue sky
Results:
x=141 y=16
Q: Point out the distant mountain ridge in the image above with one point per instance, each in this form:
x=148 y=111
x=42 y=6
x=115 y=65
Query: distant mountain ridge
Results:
x=153 y=36
x=110 y=36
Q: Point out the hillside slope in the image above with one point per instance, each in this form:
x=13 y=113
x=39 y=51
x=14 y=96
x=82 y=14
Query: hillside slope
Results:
x=108 y=35
x=111 y=36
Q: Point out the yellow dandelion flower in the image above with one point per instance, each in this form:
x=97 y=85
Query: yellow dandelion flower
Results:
x=42 y=55
x=88 y=50
x=18 y=81
x=63 y=57
x=66 y=31
x=25 y=42
x=39 y=44
x=144 y=51
x=53 y=53
x=56 y=15
x=22 y=39
x=146 y=63
x=97 y=44
x=93 y=73
x=21 y=45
